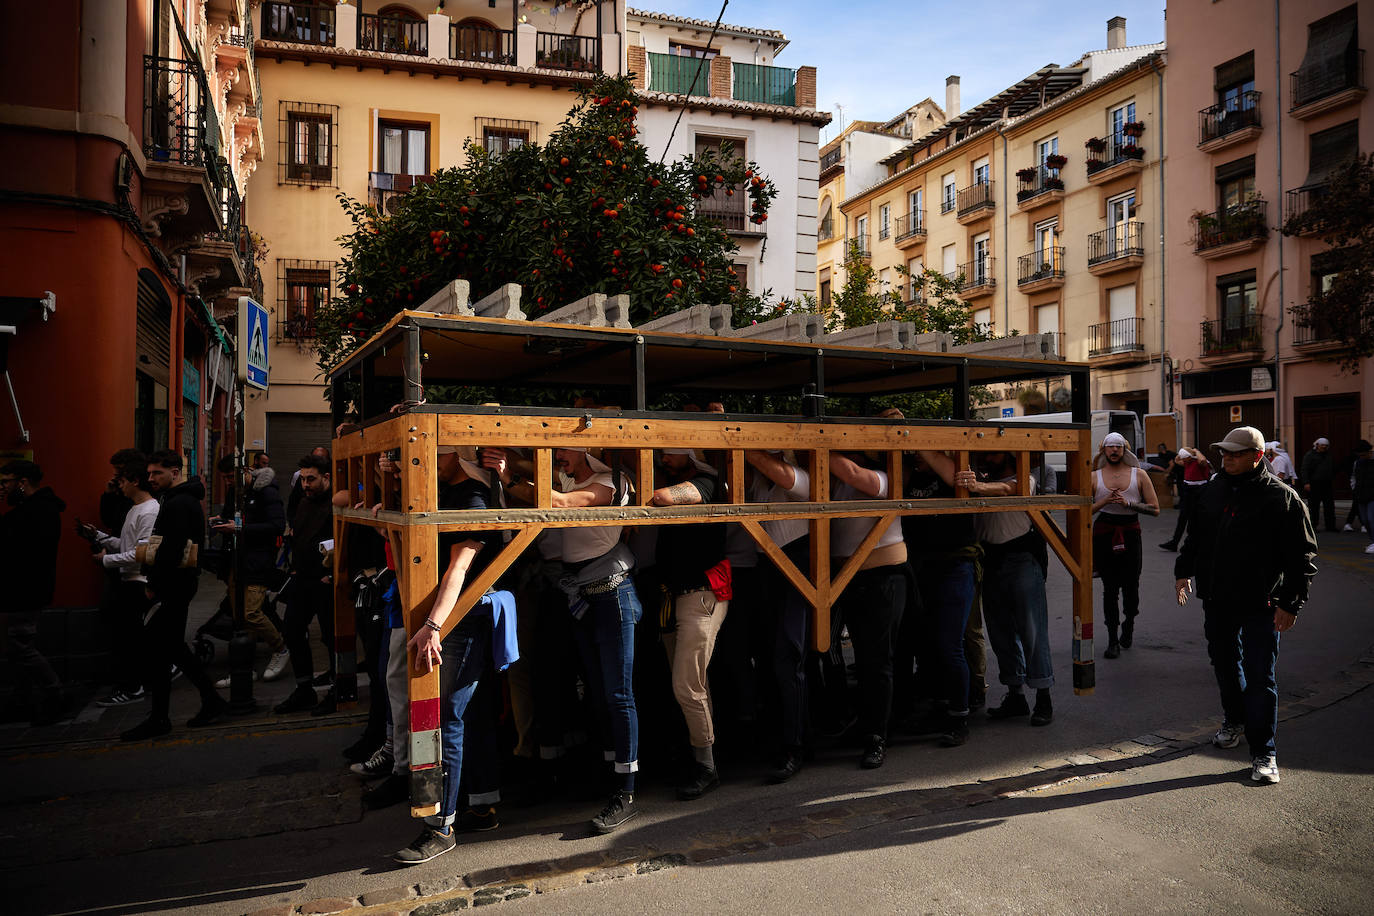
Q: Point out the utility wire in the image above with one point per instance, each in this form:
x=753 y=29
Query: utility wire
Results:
x=686 y=97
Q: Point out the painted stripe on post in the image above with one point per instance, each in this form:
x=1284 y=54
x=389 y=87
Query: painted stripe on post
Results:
x=424 y=714
x=425 y=749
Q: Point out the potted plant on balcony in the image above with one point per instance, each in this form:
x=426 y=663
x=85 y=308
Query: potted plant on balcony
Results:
x=1095 y=144
x=1054 y=183
x=1026 y=174
x=1133 y=129
x=1056 y=161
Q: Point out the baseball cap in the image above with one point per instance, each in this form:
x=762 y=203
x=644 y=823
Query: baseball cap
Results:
x=1241 y=439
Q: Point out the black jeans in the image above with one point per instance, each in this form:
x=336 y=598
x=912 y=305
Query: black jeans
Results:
x=1120 y=574
x=1244 y=648
x=123 y=612
x=164 y=638
x=1188 y=495
x=1322 y=497
x=306 y=600
x=872 y=609
x=789 y=644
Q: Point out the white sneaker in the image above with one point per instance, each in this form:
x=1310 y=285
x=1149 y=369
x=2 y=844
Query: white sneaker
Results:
x=1347 y=528
x=1228 y=736
x=1370 y=548
x=223 y=683
x=1265 y=769
x=276 y=664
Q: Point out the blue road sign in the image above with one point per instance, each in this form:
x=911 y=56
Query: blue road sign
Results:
x=252 y=343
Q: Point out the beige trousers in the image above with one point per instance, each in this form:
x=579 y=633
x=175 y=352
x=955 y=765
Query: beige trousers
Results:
x=699 y=616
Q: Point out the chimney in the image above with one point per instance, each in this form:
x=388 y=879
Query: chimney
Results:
x=952 y=96
x=1116 y=33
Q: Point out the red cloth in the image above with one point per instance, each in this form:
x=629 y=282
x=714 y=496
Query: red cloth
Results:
x=718 y=577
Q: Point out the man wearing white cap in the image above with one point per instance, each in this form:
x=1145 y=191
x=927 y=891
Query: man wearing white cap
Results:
x=1318 y=476
x=1251 y=548
x=1196 y=472
x=1280 y=463
x=691 y=561
x=1121 y=492
x=606 y=608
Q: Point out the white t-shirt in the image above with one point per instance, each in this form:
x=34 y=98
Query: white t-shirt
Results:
x=589 y=543
x=1001 y=527
x=783 y=531
x=847 y=533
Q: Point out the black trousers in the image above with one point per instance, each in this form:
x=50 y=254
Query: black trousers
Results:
x=1188 y=496
x=164 y=639
x=1120 y=574
x=1322 y=497
x=872 y=609
x=306 y=600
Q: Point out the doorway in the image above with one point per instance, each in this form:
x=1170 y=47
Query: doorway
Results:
x=1335 y=416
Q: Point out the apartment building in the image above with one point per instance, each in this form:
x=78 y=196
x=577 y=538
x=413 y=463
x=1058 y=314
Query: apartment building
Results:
x=129 y=130
x=1261 y=110
x=1037 y=202
x=700 y=91
x=367 y=98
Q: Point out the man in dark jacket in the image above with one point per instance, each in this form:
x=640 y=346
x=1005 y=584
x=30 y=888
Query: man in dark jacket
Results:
x=29 y=533
x=172 y=582
x=1318 y=475
x=311 y=590
x=1251 y=548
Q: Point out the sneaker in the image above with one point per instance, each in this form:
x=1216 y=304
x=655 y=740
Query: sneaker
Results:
x=1113 y=650
x=276 y=665
x=209 y=713
x=1348 y=528
x=1169 y=545
x=361 y=749
x=148 y=728
x=790 y=765
x=618 y=810
x=1265 y=769
x=1043 y=714
x=1013 y=705
x=224 y=682
x=121 y=698
x=473 y=821
x=1228 y=736
x=379 y=764
x=390 y=791
x=705 y=779
x=430 y=844
x=874 y=753
x=955 y=733
x=324 y=680
x=1370 y=548
x=302 y=699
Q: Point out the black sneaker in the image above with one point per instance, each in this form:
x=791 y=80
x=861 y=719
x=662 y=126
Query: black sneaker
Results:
x=874 y=753
x=302 y=698
x=362 y=749
x=705 y=779
x=379 y=764
x=324 y=680
x=1044 y=710
x=209 y=712
x=1013 y=705
x=618 y=810
x=430 y=844
x=328 y=706
x=474 y=821
x=148 y=728
x=789 y=766
x=1127 y=635
x=390 y=791
x=1113 y=650
x=1169 y=545
x=955 y=732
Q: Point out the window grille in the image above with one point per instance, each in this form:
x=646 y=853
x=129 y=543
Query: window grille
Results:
x=303 y=289
x=308 y=144
x=499 y=135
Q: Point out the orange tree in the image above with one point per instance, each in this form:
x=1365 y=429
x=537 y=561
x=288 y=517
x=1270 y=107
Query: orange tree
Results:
x=588 y=212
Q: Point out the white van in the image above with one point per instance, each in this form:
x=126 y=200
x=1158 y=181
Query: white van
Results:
x=1126 y=422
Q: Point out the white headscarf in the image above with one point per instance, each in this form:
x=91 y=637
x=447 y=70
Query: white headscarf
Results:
x=701 y=466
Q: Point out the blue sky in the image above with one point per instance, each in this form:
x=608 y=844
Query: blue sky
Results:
x=875 y=58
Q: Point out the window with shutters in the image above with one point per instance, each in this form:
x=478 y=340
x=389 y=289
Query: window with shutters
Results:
x=303 y=289
x=1333 y=62
x=1330 y=149
x=1236 y=183
x=308 y=147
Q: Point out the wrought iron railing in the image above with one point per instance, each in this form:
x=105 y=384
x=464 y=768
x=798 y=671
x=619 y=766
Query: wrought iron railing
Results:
x=1327 y=77
x=1232 y=224
x=948 y=199
x=1037 y=180
x=1298 y=200
x=978 y=273
x=858 y=245
x=910 y=224
x=393 y=34
x=1103 y=153
x=566 y=52
x=1309 y=328
x=1231 y=334
x=302 y=23
x=976 y=197
x=884 y=229
x=1045 y=264
x=1228 y=116
x=729 y=212
x=177 y=112
x=770 y=85
x=1123 y=240
x=833 y=158
x=491 y=46
x=1125 y=335
x=386 y=190
x=678 y=74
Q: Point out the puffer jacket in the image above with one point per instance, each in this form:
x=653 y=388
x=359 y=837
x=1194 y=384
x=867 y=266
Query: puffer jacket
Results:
x=1250 y=543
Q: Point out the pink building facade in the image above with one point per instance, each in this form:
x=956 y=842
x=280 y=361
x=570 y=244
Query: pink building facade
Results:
x=1263 y=100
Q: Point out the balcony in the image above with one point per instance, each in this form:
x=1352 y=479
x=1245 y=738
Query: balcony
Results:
x=948 y=201
x=1039 y=185
x=1124 y=337
x=1235 y=120
x=832 y=163
x=1040 y=270
x=386 y=191
x=679 y=75
x=1119 y=247
x=1326 y=84
x=910 y=229
x=1299 y=200
x=857 y=246
x=215 y=261
x=975 y=202
x=1231 y=230
x=300 y=23
x=1113 y=157
x=393 y=35
x=730 y=213
x=554 y=50
x=186 y=172
x=978 y=278
x=1312 y=333
x=826 y=231
x=482 y=45
x=1231 y=339
x=769 y=85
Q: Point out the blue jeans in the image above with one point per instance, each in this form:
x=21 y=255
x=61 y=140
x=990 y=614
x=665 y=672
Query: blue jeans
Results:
x=1017 y=619
x=606 y=641
x=946 y=588
x=1244 y=648
x=466 y=655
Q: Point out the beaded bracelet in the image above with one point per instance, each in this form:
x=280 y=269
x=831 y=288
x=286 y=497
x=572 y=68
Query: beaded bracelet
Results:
x=432 y=625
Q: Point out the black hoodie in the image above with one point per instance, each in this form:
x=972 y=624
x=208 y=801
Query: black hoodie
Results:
x=29 y=533
x=181 y=518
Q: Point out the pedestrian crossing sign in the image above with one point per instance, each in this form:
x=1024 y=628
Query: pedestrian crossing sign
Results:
x=252 y=343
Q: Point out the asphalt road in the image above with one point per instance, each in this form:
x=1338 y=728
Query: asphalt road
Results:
x=242 y=819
